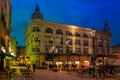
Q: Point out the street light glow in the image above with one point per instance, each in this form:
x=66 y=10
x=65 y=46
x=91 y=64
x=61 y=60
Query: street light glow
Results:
x=3 y=49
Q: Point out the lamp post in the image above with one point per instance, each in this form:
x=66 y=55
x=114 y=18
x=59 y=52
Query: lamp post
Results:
x=58 y=58
x=67 y=58
x=93 y=46
x=67 y=51
x=53 y=48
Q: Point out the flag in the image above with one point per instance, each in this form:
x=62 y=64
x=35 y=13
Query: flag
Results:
x=67 y=42
x=93 y=33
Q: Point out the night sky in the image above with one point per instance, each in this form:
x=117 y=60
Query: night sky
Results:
x=86 y=13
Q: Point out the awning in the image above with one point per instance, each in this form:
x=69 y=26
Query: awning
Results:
x=3 y=54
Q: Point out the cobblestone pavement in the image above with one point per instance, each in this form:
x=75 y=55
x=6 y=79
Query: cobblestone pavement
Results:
x=50 y=75
x=4 y=76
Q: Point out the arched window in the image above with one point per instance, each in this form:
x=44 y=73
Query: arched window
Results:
x=77 y=34
x=60 y=32
x=35 y=29
x=68 y=33
x=85 y=35
x=77 y=42
x=48 y=30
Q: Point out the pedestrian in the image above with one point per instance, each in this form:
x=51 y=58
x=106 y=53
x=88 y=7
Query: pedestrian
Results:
x=28 y=66
x=34 y=67
x=91 y=69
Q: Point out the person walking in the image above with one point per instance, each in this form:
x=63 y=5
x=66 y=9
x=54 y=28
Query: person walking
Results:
x=34 y=67
x=28 y=66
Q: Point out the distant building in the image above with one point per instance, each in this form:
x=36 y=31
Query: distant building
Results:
x=21 y=51
x=116 y=49
x=13 y=46
x=58 y=43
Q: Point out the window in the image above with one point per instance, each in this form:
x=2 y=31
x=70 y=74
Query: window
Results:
x=85 y=43
x=35 y=29
x=78 y=50
x=48 y=48
x=51 y=40
x=33 y=49
x=36 y=39
x=48 y=40
x=59 y=40
x=77 y=34
x=36 y=49
x=77 y=42
x=48 y=30
x=85 y=50
x=100 y=44
x=59 y=32
x=85 y=35
x=59 y=49
x=68 y=33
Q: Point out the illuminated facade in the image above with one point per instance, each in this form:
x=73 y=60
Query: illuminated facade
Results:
x=116 y=49
x=13 y=46
x=61 y=43
x=5 y=29
x=116 y=52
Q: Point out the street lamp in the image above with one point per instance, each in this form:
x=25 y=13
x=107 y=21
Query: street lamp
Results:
x=58 y=58
x=67 y=51
x=53 y=48
x=3 y=49
x=93 y=46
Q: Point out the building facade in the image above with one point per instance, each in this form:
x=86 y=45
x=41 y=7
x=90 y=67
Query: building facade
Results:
x=116 y=49
x=13 y=46
x=21 y=51
x=5 y=29
x=58 y=43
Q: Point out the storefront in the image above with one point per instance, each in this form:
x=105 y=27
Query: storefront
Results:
x=1 y=62
x=4 y=60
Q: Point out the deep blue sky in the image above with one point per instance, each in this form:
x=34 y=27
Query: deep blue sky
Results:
x=87 y=13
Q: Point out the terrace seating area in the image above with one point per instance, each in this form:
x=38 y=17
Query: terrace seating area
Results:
x=101 y=71
x=18 y=70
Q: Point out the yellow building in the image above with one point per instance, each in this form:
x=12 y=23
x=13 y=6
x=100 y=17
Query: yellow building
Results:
x=5 y=29
x=13 y=46
x=57 y=43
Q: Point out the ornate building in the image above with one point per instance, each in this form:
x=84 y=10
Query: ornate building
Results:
x=5 y=29
x=116 y=49
x=58 y=43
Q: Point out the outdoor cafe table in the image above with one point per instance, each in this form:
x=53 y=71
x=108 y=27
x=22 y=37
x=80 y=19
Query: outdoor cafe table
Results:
x=18 y=69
